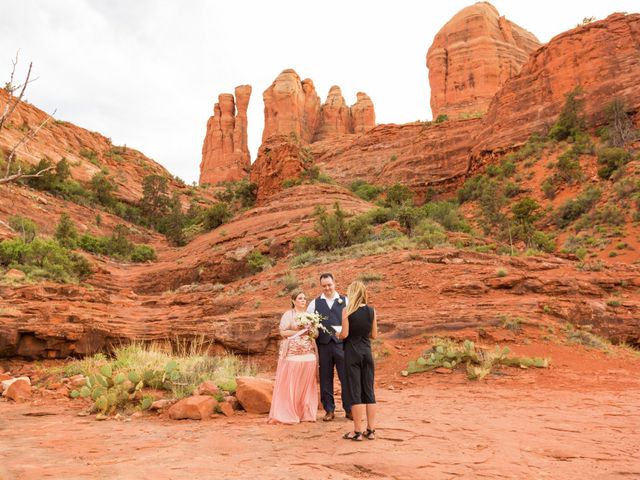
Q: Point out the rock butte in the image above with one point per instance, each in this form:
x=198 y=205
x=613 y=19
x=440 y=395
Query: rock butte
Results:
x=292 y=106
x=225 y=154
x=471 y=57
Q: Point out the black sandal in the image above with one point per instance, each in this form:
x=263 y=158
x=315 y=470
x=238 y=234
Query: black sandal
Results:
x=370 y=434
x=355 y=436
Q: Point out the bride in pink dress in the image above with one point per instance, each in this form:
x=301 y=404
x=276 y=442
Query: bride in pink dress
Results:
x=295 y=394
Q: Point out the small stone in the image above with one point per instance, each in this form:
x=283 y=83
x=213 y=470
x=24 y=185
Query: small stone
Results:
x=76 y=381
x=443 y=370
x=18 y=390
x=101 y=416
x=161 y=404
x=14 y=274
x=208 y=388
x=197 y=407
x=227 y=409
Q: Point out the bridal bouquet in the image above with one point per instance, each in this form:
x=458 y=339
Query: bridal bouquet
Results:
x=312 y=322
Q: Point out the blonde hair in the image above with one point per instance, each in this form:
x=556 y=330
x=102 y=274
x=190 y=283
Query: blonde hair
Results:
x=294 y=295
x=357 y=295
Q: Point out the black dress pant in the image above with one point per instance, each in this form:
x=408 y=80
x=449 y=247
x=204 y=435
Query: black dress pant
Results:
x=331 y=355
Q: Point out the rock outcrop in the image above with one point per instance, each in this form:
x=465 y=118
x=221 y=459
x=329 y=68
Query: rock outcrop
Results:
x=225 y=153
x=471 y=57
x=292 y=108
x=279 y=159
x=363 y=115
x=602 y=57
x=335 y=116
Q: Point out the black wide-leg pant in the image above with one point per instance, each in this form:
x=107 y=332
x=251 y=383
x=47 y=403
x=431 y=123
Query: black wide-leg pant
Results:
x=331 y=355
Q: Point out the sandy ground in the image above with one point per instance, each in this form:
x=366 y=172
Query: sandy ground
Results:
x=579 y=419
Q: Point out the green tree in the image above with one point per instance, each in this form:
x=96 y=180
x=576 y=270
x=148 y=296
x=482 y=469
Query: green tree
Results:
x=525 y=213
x=570 y=121
x=215 y=216
x=25 y=227
x=66 y=232
x=620 y=127
x=398 y=195
x=174 y=222
x=63 y=170
x=118 y=244
x=103 y=188
x=155 y=198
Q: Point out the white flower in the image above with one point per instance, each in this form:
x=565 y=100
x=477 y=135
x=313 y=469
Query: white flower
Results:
x=311 y=321
x=340 y=302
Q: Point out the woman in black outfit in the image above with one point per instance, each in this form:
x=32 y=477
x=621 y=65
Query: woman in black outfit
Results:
x=358 y=326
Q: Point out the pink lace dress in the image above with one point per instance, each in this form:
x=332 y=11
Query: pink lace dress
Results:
x=295 y=393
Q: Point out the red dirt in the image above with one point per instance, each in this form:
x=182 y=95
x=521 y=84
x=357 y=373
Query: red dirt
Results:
x=578 y=419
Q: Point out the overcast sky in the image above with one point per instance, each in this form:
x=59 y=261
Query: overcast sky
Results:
x=147 y=72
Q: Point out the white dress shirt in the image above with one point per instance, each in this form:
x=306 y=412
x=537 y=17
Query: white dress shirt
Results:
x=311 y=308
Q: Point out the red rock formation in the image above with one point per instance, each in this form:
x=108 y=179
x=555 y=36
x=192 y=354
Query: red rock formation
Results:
x=335 y=116
x=290 y=106
x=279 y=159
x=416 y=154
x=471 y=57
x=603 y=57
x=225 y=154
x=363 y=115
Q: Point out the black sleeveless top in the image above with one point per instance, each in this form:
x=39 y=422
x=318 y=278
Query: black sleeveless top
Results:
x=360 y=323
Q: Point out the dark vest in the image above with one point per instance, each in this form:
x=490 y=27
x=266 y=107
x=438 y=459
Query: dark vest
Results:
x=331 y=317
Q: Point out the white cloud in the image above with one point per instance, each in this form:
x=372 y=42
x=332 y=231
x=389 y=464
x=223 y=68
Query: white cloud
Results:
x=147 y=73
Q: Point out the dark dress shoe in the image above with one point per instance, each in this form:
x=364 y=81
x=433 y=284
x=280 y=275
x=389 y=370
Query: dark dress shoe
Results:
x=349 y=416
x=328 y=417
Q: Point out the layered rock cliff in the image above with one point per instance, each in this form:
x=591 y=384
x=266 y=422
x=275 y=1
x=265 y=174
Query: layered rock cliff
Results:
x=603 y=58
x=225 y=153
x=471 y=57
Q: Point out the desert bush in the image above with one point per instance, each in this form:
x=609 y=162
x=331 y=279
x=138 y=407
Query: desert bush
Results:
x=620 y=130
x=66 y=232
x=365 y=190
x=549 y=189
x=611 y=159
x=574 y=208
x=370 y=277
x=472 y=188
x=25 y=227
x=588 y=339
x=398 y=195
x=542 y=241
x=215 y=216
x=44 y=259
x=446 y=214
x=443 y=117
x=429 y=233
x=290 y=282
x=378 y=216
x=143 y=253
x=116 y=383
x=155 y=198
x=570 y=120
x=257 y=261
x=478 y=362
x=103 y=188
x=334 y=231
x=241 y=191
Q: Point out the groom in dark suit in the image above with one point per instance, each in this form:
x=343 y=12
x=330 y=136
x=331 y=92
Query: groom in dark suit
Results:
x=330 y=353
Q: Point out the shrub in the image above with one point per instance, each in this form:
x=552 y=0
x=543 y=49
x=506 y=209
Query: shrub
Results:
x=378 y=216
x=143 y=253
x=430 y=234
x=66 y=232
x=103 y=188
x=215 y=216
x=568 y=166
x=408 y=217
x=570 y=120
x=257 y=261
x=89 y=243
x=155 y=198
x=441 y=118
x=446 y=214
x=118 y=244
x=620 y=130
x=398 y=195
x=335 y=231
x=574 y=208
x=245 y=192
x=44 y=259
x=25 y=227
x=542 y=241
x=611 y=159
x=365 y=190
x=472 y=188
x=549 y=189
x=290 y=282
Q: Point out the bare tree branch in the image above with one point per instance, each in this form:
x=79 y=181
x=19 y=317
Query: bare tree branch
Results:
x=20 y=175
x=16 y=100
x=26 y=138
